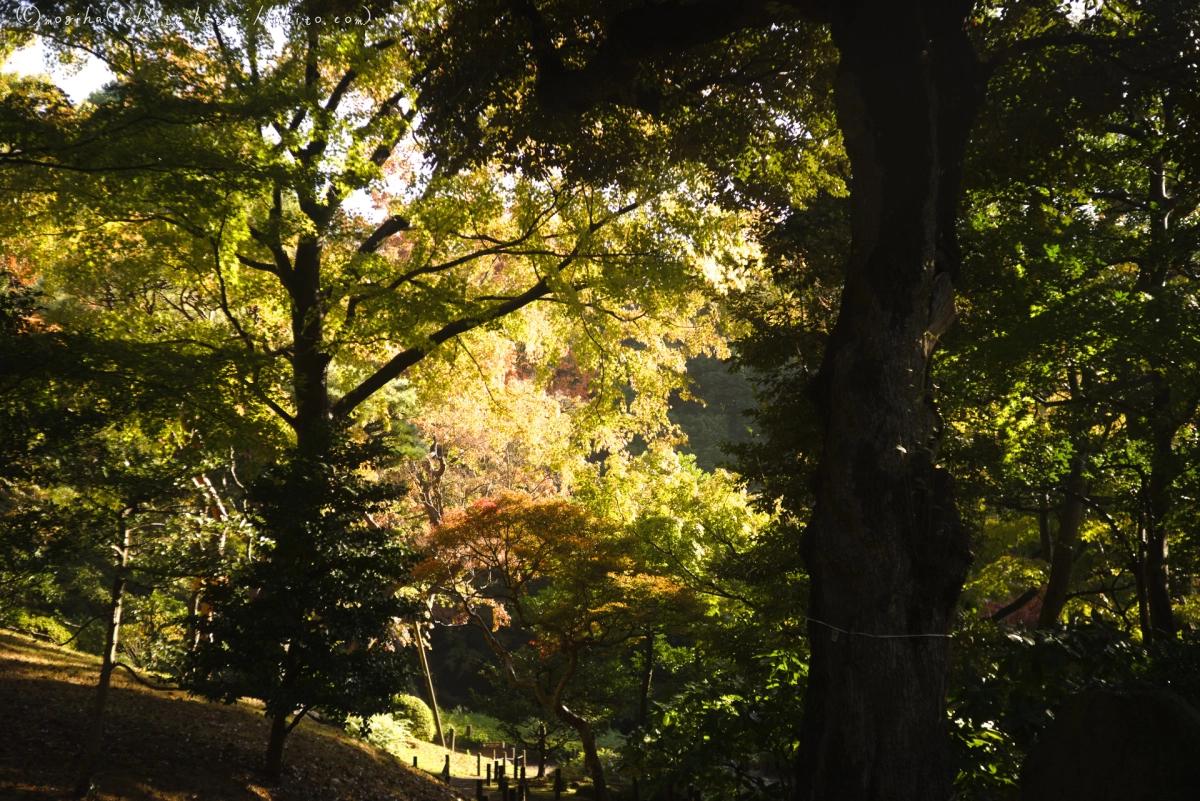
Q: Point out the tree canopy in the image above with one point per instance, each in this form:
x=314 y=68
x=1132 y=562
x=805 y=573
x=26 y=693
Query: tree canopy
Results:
x=782 y=398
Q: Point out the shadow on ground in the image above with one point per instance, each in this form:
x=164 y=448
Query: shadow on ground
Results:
x=164 y=746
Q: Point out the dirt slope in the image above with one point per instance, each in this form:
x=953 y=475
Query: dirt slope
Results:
x=166 y=746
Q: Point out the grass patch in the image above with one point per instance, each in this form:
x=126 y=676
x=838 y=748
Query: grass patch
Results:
x=484 y=728
x=165 y=746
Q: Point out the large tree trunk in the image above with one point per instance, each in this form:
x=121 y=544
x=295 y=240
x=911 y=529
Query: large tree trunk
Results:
x=1075 y=490
x=310 y=364
x=95 y=737
x=885 y=549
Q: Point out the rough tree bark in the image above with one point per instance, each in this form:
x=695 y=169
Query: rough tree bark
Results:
x=885 y=549
x=95 y=736
x=310 y=362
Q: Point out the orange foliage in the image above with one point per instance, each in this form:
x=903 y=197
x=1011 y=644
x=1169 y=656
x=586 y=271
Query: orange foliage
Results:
x=575 y=578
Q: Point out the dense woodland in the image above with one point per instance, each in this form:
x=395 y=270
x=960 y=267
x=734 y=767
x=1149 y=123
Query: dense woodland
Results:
x=789 y=399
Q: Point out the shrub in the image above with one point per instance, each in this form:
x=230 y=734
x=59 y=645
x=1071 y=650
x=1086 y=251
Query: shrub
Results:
x=484 y=728
x=385 y=731
x=412 y=711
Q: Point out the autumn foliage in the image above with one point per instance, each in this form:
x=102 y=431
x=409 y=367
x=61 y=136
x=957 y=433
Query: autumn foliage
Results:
x=577 y=582
x=574 y=577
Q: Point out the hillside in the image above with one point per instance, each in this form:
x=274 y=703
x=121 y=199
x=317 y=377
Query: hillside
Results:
x=164 y=746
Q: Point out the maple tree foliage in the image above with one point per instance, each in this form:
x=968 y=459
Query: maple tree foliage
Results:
x=575 y=581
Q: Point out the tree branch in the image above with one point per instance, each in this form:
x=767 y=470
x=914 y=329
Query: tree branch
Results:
x=407 y=358
x=257 y=265
x=1020 y=602
x=389 y=227
x=644 y=32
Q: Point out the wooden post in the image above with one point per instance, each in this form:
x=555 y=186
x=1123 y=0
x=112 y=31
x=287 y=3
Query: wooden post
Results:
x=469 y=735
x=479 y=788
x=503 y=787
x=478 y=761
x=452 y=739
x=446 y=770
x=414 y=760
x=437 y=718
x=558 y=788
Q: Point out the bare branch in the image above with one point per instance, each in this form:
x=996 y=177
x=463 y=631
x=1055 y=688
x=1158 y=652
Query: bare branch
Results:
x=407 y=358
x=389 y=227
x=257 y=265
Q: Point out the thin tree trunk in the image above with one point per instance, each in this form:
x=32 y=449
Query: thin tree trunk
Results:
x=644 y=700
x=95 y=734
x=1163 y=470
x=1139 y=577
x=1047 y=547
x=1075 y=489
x=541 y=774
x=1162 y=618
x=433 y=704
x=591 y=758
x=279 y=733
x=885 y=549
x=280 y=729
x=647 y=677
x=192 y=637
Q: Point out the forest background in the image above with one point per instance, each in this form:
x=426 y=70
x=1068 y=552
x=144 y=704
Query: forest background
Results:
x=331 y=332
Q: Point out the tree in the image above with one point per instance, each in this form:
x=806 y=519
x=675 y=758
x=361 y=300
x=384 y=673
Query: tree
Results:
x=524 y=722
x=128 y=481
x=1081 y=254
x=334 y=644
x=97 y=466
x=884 y=545
x=570 y=578
x=878 y=477
x=734 y=666
x=222 y=226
